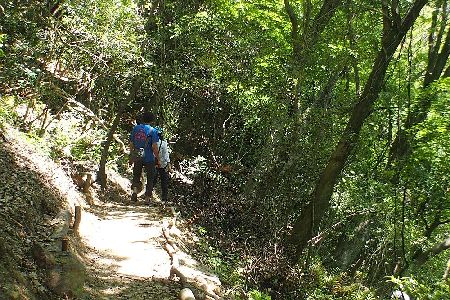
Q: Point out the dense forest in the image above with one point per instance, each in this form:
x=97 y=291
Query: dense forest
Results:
x=319 y=129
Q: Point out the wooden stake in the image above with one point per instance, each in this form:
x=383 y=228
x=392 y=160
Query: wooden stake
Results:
x=76 y=224
x=87 y=183
x=64 y=244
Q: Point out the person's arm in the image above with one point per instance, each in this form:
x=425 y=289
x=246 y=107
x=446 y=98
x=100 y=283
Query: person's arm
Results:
x=155 y=140
x=165 y=152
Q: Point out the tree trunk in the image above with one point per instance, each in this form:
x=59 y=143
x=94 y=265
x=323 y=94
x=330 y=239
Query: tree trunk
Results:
x=303 y=42
x=438 y=53
x=447 y=271
x=101 y=174
x=313 y=213
x=421 y=257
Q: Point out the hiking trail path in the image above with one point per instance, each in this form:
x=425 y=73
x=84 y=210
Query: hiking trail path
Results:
x=123 y=245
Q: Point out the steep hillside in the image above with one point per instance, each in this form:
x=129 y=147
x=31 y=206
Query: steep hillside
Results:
x=30 y=206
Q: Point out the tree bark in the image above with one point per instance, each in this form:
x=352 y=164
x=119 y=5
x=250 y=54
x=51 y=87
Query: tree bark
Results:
x=313 y=213
x=422 y=257
x=101 y=174
x=76 y=223
x=447 y=271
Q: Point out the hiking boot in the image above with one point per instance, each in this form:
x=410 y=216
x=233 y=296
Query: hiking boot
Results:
x=134 y=197
x=148 y=199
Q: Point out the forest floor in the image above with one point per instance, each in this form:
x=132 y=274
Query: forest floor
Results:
x=120 y=246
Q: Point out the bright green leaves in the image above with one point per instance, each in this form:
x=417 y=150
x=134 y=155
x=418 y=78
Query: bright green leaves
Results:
x=423 y=290
x=433 y=135
x=429 y=161
x=257 y=295
x=2 y=39
x=111 y=24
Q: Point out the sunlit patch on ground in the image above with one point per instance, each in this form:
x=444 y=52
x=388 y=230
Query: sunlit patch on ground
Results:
x=112 y=290
x=123 y=243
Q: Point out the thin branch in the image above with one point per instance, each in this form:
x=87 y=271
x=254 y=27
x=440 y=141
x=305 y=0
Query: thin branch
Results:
x=435 y=250
x=294 y=30
x=395 y=13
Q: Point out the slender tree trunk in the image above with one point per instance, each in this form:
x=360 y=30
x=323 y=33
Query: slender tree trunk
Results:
x=438 y=53
x=101 y=174
x=447 y=271
x=313 y=213
x=303 y=41
x=44 y=121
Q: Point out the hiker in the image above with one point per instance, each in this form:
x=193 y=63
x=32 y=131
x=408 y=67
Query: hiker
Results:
x=399 y=294
x=164 y=164
x=143 y=151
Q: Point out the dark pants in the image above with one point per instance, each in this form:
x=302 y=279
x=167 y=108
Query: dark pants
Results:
x=164 y=177
x=150 y=170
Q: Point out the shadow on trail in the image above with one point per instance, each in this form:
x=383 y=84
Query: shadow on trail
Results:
x=104 y=283
x=124 y=253
x=113 y=210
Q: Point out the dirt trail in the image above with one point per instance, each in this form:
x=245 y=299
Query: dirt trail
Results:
x=125 y=256
x=121 y=245
x=129 y=237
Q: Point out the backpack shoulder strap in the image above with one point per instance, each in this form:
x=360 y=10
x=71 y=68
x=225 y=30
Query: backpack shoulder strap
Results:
x=149 y=134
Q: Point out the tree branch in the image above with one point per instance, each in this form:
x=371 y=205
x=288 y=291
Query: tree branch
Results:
x=294 y=29
x=435 y=250
x=395 y=13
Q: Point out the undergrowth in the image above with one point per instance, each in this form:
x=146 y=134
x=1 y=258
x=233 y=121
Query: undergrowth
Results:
x=247 y=256
x=26 y=205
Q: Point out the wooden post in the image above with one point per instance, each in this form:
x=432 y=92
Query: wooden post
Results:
x=87 y=184
x=77 y=221
x=64 y=244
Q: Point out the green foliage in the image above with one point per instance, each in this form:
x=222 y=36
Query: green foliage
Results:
x=112 y=30
x=215 y=260
x=87 y=149
x=257 y=295
x=417 y=289
x=222 y=77
x=7 y=113
x=323 y=284
x=21 y=26
x=2 y=39
x=227 y=266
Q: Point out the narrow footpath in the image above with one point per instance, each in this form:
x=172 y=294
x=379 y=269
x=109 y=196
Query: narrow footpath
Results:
x=125 y=254
x=128 y=251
